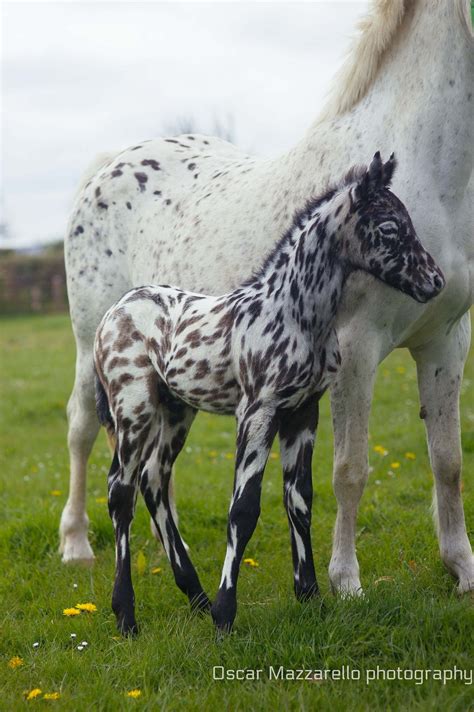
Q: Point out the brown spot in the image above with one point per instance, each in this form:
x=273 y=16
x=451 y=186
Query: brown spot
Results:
x=118 y=361
x=141 y=361
x=152 y=163
x=187 y=322
x=203 y=369
x=142 y=178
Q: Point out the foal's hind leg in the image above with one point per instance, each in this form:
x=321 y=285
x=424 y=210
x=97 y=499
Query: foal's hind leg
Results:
x=135 y=415
x=123 y=488
x=174 y=422
x=297 y=432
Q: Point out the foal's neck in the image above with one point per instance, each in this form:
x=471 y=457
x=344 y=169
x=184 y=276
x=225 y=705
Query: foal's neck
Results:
x=305 y=275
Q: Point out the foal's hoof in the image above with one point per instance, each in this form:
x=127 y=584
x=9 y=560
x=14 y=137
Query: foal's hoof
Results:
x=222 y=623
x=222 y=631
x=127 y=628
x=200 y=604
x=306 y=593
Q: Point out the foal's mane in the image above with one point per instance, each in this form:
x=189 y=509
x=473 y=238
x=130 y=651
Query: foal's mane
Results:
x=377 y=31
x=301 y=216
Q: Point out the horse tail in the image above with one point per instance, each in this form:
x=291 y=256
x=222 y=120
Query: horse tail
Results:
x=100 y=160
x=103 y=407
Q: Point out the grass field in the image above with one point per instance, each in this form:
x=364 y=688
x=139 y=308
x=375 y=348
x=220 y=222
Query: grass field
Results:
x=410 y=617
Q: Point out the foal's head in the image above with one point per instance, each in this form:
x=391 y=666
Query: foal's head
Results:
x=384 y=241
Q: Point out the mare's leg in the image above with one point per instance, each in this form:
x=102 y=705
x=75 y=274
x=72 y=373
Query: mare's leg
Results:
x=173 y=423
x=440 y=368
x=256 y=428
x=83 y=428
x=297 y=432
x=351 y=397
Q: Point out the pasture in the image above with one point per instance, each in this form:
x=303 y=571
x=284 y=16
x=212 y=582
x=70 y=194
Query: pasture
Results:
x=410 y=617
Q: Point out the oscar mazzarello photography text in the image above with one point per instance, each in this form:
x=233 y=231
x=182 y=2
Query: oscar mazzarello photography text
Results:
x=345 y=673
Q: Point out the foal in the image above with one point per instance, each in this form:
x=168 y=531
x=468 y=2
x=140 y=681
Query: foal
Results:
x=266 y=351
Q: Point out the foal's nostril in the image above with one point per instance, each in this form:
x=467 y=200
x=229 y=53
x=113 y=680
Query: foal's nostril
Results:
x=438 y=282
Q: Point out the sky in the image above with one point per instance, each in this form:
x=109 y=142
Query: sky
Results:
x=79 y=78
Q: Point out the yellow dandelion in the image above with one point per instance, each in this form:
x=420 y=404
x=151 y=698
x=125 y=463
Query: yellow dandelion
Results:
x=15 y=662
x=33 y=694
x=251 y=562
x=101 y=500
x=55 y=493
x=156 y=570
x=71 y=612
x=394 y=465
x=89 y=607
x=273 y=456
x=400 y=369
x=212 y=453
x=410 y=456
x=380 y=450
x=51 y=696
x=133 y=693
x=229 y=455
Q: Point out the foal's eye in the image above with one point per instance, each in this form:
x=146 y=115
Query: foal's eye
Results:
x=388 y=227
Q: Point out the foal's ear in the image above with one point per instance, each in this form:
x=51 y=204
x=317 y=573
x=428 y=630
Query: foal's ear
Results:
x=377 y=176
x=388 y=170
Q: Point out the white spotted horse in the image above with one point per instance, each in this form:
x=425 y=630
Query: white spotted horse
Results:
x=196 y=211
x=265 y=352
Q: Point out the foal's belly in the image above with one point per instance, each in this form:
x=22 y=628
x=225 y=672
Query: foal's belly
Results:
x=218 y=401
x=203 y=379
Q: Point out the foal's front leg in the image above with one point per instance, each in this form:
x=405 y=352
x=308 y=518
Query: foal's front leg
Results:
x=256 y=428
x=297 y=432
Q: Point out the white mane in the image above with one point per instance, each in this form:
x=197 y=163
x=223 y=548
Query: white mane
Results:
x=376 y=33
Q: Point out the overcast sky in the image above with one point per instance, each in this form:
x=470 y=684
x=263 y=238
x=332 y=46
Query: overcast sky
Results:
x=84 y=77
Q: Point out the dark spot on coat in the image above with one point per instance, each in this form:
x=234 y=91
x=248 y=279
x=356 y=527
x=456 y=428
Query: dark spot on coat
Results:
x=142 y=178
x=152 y=163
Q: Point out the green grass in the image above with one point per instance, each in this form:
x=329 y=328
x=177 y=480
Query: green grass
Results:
x=413 y=619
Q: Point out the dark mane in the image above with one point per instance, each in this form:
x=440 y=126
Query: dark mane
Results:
x=353 y=175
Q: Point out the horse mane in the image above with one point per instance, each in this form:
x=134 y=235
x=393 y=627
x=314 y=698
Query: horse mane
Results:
x=302 y=215
x=377 y=31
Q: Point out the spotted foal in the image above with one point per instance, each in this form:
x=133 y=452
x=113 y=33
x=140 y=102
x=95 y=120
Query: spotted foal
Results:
x=266 y=352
